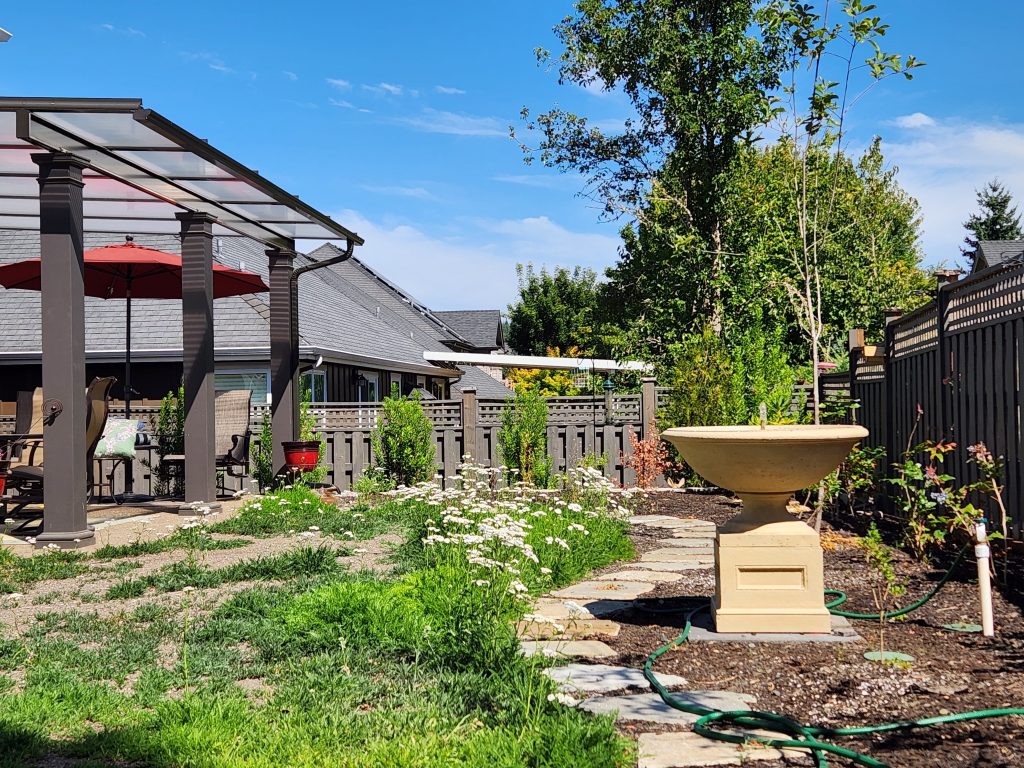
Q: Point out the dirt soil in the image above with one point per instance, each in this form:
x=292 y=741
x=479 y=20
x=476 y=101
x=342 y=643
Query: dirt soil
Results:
x=832 y=684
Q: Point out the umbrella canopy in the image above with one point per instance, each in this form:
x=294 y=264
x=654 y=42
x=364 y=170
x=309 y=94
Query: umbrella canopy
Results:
x=114 y=270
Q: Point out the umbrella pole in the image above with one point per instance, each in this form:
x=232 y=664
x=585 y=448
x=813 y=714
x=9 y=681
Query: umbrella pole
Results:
x=129 y=479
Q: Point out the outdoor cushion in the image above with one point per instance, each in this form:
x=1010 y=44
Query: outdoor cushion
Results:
x=118 y=438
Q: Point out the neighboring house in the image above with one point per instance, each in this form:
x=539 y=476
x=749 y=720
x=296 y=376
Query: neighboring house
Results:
x=483 y=329
x=369 y=333
x=992 y=253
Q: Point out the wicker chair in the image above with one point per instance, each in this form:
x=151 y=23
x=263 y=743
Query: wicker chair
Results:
x=231 y=436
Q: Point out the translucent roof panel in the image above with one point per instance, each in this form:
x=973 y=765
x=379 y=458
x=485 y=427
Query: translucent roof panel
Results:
x=142 y=170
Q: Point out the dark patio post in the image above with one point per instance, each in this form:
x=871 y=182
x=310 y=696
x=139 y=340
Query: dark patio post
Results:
x=284 y=351
x=197 y=357
x=63 y=314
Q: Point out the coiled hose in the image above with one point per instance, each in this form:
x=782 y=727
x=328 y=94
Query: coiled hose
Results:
x=710 y=722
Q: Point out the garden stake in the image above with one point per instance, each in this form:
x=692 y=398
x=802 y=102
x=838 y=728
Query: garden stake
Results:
x=983 y=552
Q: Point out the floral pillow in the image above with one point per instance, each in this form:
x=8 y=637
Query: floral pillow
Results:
x=118 y=438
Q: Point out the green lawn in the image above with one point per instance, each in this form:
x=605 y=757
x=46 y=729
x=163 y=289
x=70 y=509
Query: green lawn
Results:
x=310 y=664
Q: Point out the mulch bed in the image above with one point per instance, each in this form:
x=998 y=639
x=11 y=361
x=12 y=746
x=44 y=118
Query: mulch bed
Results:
x=832 y=684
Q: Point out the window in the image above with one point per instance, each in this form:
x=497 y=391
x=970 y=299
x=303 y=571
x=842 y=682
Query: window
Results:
x=314 y=386
x=437 y=388
x=255 y=380
x=367 y=386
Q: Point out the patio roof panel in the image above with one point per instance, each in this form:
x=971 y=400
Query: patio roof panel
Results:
x=135 y=154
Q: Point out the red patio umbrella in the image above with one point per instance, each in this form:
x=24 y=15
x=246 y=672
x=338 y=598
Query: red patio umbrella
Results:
x=130 y=271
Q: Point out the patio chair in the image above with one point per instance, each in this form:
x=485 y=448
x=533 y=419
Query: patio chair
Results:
x=27 y=479
x=231 y=435
x=26 y=444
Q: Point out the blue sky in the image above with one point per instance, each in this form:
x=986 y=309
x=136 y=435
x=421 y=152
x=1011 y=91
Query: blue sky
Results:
x=393 y=117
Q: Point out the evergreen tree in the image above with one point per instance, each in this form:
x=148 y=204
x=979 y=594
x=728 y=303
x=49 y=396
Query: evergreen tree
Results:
x=997 y=219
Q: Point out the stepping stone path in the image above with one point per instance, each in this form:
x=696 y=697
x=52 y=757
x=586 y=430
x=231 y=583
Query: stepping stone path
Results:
x=602 y=678
x=650 y=707
x=599 y=590
x=575 y=611
x=592 y=649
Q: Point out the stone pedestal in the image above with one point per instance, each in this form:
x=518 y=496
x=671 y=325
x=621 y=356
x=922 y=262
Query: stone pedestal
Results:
x=769 y=571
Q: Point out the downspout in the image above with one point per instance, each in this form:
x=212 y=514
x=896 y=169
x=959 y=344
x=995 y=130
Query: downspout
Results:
x=344 y=256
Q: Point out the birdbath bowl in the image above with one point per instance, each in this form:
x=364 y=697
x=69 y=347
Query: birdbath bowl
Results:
x=768 y=564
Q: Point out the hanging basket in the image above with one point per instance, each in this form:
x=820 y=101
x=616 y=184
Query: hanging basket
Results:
x=301 y=455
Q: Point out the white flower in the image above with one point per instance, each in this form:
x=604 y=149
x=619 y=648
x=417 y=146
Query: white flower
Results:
x=314 y=527
x=574 y=507
x=360 y=550
x=548 y=652
x=481 y=583
x=545 y=571
x=188 y=589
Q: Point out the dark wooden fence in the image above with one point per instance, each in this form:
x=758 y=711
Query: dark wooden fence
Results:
x=951 y=370
x=577 y=427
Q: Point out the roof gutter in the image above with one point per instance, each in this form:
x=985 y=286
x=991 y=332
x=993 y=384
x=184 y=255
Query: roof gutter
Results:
x=345 y=255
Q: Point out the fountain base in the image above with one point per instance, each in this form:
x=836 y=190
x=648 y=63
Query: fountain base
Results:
x=770 y=578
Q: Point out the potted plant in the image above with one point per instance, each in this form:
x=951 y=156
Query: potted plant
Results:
x=301 y=455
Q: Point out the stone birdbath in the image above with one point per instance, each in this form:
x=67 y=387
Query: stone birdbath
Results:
x=768 y=564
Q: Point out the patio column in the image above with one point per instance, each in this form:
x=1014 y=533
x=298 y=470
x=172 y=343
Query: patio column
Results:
x=284 y=351
x=63 y=331
x=197 y=357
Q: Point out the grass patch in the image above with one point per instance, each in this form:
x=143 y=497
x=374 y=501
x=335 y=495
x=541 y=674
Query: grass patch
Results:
x=298 y=509
x=197 y=538
x=16 y=572
x=418 y=670
x=303 y=561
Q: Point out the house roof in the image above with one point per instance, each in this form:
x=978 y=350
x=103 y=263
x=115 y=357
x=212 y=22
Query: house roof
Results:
x=334 y=321
x=486 y=385
x=991 y=253
x=481 y=327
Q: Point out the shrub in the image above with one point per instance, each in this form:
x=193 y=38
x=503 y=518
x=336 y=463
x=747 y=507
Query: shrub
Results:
x=403 y=444
x=649 y=457
x=701 y=384
x=261 y=455
x=523 y=439
x=373 y=480
x=170 y=431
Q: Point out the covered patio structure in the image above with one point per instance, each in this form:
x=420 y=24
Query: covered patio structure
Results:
x=70 y=166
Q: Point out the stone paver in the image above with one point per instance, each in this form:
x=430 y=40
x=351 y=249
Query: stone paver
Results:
x=691 y=533
x=612 y=590
x=690 y=565
x=703 y=631
x=651 y=708
x=553 y=608
x=542 y=627
x=677 y=555
x=591 y=649
x=603 y=678
x=655 y=576
x=696 y=544
x=683 y=749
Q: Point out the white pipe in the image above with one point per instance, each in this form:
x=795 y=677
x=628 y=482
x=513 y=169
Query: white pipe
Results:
x=982 y=552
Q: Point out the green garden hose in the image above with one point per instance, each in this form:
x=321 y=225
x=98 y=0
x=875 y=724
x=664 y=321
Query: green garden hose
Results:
x=794 y=734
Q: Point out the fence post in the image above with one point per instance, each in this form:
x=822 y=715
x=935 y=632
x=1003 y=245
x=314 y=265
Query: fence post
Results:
x=469 y=420
x=648 y=404
x=946 y=278
x=891 y=316
x=856 y=346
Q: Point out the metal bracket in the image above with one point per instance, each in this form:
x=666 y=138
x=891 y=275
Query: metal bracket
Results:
x=52 y=408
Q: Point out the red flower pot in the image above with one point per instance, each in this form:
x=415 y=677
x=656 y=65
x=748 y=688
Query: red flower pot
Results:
x=301 y=455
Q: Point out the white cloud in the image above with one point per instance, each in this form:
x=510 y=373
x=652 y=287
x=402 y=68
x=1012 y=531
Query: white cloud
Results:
x=943 y=164
x=384 y=88
x=543 y=180
x=212 y=60
x=129 y=31
x=448 y=90
x=915 y=120
x=341 y=85
x=398 y=191
x=438 y=121
x=476 y=267
x=291 y=75
x=340 y=103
